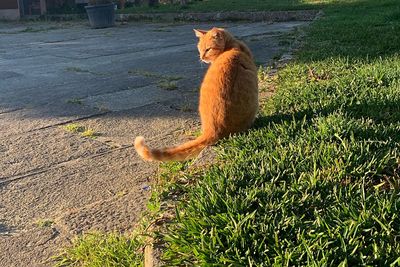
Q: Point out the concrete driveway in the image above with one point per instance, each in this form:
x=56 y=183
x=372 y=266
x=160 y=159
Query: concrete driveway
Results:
x=59 y=80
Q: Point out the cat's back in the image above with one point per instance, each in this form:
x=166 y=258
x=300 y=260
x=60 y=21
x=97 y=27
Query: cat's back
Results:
x=229 y=93
x=231 y=78
x=226 y=66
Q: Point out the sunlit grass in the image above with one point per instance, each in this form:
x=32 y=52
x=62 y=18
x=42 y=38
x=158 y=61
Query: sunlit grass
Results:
x=82 y=130
x=99 y=250
x=316 y=182
x=224 y=5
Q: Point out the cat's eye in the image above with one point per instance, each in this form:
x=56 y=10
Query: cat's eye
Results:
x=208 y=49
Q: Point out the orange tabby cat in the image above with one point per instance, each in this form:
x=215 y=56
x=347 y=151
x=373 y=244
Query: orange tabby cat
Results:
x=228 y=95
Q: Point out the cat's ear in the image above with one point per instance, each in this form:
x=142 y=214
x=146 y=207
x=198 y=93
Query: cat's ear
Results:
x=199 y=33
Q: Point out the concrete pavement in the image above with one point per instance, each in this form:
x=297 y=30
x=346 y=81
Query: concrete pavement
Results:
x=118 y=82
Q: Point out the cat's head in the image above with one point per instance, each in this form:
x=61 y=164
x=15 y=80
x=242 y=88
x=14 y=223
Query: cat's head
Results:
x=211 y=43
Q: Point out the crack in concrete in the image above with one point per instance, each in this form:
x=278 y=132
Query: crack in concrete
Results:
x=127 y=53
x=10 y=111
x=8 y=179
x=54 y=234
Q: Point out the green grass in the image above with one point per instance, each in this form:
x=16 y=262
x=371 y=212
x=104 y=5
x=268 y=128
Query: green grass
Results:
x=80 y=70
x=76 y=101
x=99 y=250
x=43 y=223
x=89 y=133
x=76 y=69
x=168 y=85
x=149 y=74
x=82 y=130
x=223 y=5
x=74 y=128
x=316 y=181
x=166 y=82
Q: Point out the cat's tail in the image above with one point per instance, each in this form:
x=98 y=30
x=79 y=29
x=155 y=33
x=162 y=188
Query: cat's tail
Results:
x=185 y=151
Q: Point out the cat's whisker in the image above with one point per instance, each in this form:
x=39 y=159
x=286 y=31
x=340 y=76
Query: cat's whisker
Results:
x=202 y=64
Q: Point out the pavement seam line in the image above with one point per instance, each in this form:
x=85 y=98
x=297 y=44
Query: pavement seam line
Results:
x=6 y=180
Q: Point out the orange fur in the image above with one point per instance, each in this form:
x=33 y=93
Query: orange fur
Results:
x=228 y=95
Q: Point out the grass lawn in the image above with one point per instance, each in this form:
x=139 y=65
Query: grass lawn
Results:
x=316 y=182
x=233 y=5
